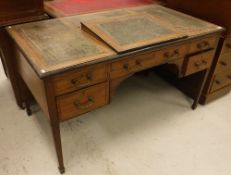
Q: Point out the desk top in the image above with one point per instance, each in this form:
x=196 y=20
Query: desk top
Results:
x=57 y=45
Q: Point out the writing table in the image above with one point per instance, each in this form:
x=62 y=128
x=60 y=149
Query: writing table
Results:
x=74 y=65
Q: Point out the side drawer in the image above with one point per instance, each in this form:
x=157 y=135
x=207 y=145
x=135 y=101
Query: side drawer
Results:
x=224 y=63
x=203 y=44
x=198 y=62
x=80 y=78
x=82 y=101
x=220 y=81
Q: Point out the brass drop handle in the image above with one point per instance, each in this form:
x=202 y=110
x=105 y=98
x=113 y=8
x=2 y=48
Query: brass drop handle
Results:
x=175 y=53
x=166 y=55
x=197 y=64
x=203 y=46
x=217 y=82
x=229 y=76
x=75 y=81
x=138 y=62
x=89 y=75
x=223 y=63
x=125 y=66
x=88 y=104
x=204 y=62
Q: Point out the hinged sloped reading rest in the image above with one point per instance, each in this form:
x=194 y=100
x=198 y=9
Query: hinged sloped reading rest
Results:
x=131 y=31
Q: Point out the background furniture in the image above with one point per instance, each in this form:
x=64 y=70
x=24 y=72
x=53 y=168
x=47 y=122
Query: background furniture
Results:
x=61 y=8
x=71 y=72
x=14 y=12
x=18 y=11
x=218 y=12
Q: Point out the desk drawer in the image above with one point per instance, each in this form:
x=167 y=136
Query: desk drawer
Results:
x=146 y=60
x=203 y=45
x=198 y=62
x=134 y=63
x=224 y=63
x=80 y=78
x=173 y=53
x=82 y=101
x=220 y=81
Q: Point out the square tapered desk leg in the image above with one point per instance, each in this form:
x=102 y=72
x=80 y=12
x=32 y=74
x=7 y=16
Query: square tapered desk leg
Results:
x=54 y=122
x=203 y=81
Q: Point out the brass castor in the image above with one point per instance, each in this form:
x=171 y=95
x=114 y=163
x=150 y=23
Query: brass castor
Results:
x=62 y=170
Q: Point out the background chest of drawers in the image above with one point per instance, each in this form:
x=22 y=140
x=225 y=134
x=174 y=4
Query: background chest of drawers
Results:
x=15 y=11
x=218 y=12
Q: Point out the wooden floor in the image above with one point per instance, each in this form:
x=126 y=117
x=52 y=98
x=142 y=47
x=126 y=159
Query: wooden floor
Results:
x=148 y=129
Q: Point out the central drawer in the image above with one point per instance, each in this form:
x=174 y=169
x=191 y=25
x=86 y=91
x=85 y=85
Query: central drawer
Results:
x=82 y=101
x=146 y=60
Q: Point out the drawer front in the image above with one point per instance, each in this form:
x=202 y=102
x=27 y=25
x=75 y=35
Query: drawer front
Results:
x=227 y=46
x=146 y=60
x=198 y=62
x=221 y=81
x=224 y=63
x=82 y=101
x=130 y=65
x=203 y=44
x=80 y=78
x=173 y=53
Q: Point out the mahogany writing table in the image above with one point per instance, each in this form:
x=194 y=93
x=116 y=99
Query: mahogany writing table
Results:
x=74 y=65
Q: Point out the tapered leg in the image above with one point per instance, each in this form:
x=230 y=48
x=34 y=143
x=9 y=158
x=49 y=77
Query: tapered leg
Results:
x=54 y=122
x=57 y=140
x=203 y=81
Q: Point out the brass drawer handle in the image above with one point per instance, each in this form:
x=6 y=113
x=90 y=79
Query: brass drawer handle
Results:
x=175 y=53
x=223 y=63
x=86 y=105
x=77 y=83
x=203 y=45
x=126 y=67
x=204 y=62
x=89 y=75
x=229 y=77
x=217 y=82
x=138 y=63
x=197 y=65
